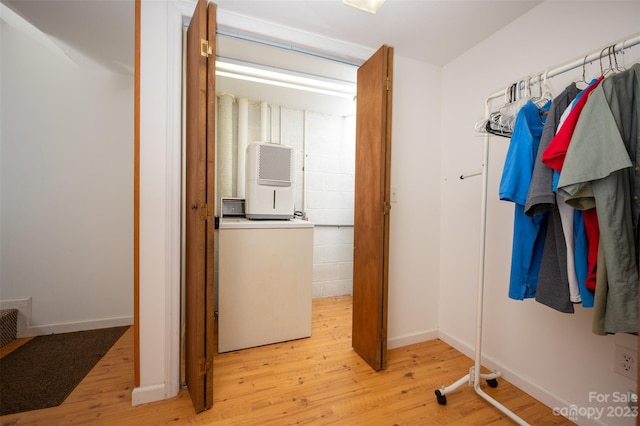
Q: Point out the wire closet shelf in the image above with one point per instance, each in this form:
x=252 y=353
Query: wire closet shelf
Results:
x=474 y=377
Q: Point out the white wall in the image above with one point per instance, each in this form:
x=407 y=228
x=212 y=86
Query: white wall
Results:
x=414 y=246
x=553 y=356
x=66 y=193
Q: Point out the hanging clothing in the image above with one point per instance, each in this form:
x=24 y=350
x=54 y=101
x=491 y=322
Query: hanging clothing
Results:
x=566 y=215
x=580 y=258
x=600 y=297
x=528 y=232
x=604 y=154
x=541 y=197
x=554 y=156
x=553 y=282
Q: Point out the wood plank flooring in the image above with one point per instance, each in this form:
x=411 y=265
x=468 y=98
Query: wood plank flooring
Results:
x=314 y=381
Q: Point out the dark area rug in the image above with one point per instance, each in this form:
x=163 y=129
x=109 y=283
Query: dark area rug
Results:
x=45 y=370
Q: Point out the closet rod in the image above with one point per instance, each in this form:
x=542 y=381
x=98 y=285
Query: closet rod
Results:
x=579 y=62
x=474 y=375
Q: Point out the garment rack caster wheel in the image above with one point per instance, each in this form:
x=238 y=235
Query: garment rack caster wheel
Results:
x=492 y=383
x=442 y=399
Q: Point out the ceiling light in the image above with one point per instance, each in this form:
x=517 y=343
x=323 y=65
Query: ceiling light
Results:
x=371 y=6
x=324 y=86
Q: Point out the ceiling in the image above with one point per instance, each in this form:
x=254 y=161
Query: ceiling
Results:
x=433 y=31
x=102 y=30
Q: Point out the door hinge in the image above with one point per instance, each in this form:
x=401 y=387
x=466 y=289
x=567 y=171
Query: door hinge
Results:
x=204 y=367
x=386 y=208
x=388 y=84
x=205 y=49
x=205 y=211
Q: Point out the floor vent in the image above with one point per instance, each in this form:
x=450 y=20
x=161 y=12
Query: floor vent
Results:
x=8 y=326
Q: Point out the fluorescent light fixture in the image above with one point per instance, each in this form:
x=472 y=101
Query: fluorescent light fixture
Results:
x=370 y=6
x=292 y=81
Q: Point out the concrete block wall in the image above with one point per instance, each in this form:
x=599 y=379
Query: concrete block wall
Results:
x=329 y=169
x=332 y=261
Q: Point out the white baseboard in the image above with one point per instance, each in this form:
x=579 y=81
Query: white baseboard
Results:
x=26 y=329
x=541 y=394
x=145 y=394
x=68 y=327
x=410 y=339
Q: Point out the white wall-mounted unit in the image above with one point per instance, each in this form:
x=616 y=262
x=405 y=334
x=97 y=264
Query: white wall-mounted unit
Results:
x=270 y=188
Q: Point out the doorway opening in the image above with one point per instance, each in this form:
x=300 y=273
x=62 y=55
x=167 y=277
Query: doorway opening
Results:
x=308 y=103
x=371 y=194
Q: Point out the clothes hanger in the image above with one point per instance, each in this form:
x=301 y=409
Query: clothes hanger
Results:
x=494 y=124
x=614 y=63
x=518 y=97
x=623 y=67
x=615 y=58
x=603 y=72
x=610 y=69
x=546 y=95
x=500 y=122
x=584 y=71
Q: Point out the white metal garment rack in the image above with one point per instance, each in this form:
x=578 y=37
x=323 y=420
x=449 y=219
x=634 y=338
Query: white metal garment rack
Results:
x=474 y=376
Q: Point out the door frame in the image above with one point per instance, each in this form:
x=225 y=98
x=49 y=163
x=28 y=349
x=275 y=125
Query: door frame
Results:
x=178 y=13
x=160 y=377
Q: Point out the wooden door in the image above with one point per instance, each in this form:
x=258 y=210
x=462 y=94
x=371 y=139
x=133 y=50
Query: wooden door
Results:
x=372 y=206
x=200 y=173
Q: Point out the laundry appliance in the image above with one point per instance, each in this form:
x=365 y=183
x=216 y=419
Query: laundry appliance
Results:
x=264 y=282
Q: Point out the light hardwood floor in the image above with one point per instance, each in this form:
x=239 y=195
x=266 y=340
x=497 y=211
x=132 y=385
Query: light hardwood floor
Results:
x=315 y=381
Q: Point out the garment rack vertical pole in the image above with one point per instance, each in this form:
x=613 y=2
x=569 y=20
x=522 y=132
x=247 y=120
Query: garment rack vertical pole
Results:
x=474 y=376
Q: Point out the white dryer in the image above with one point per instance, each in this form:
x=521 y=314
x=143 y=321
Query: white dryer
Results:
x=264 y=282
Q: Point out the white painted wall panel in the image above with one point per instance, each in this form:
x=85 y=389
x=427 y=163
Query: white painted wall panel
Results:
x=66 y=193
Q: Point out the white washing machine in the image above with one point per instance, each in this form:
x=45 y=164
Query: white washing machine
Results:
x=264 y=282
